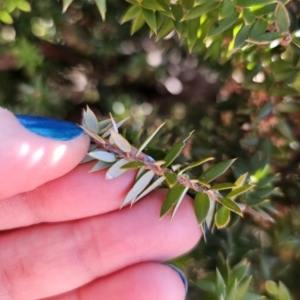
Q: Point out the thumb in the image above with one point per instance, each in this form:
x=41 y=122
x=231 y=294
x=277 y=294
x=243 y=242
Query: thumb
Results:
x=34 y=150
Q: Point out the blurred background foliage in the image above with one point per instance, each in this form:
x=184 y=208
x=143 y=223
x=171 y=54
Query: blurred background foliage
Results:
x=227 y=69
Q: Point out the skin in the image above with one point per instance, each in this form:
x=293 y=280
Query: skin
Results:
x=63 y=235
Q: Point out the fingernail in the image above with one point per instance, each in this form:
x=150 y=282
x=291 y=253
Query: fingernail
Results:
x=50 y=128
x=181 y=275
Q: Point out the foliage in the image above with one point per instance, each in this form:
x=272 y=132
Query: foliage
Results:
x=228 y=71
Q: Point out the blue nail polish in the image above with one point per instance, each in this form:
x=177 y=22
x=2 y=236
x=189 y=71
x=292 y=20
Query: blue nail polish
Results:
x=50 y=128
x=181 y=275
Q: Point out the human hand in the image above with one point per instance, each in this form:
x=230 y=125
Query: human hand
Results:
x=63 y=235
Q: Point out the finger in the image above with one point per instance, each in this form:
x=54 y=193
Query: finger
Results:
x=78 y=252
x=34 y=150
x=144 y=281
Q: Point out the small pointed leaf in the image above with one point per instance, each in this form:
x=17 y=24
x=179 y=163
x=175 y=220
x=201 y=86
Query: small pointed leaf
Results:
x=93 y=135
x=133 y=165
x=102 y=155
x=201 y=207
x=271 y=288
x=116 y=169
x=106 y=131
x=103 y=124
x=223 y=25
x=137 y=23
x=200 y=10
x=196 y=164
x=150 y=18
x=222 y=217
x=283 y=292
x=100 y=165
x=131 y=13
x=241 y=180
x=223 y=186
x=101 y=4
x=179 y=202
x=90 y=120
x=231 y=205
x=165 y=8
x=238 y=272
x=165 y=29
x=138 y=187
x=231 y=295
x=173 y=196
x=147 y=141
x=171 y=178
x=66 y=4
x=86 y=159
x=216 y=170
x=240 y=190
x=151 y=187
x=175 y=150
x=209 y=217
x=120 y=141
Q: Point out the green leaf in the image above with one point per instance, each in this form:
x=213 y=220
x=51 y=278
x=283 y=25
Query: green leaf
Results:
x=227 y=8
x=137 y=23
x=193 y=26
x=231 y=205
x=282 y=18
x=249 y=3
x=220 y=284
x=223 y=186
x=101 y=4
x=179 y=202
x=138 y=187
x=133 y=165
x=148 y=140
x=240 y=190
x=5 y=17
x=174 y=195
x=265 y=38
x=24 y=6
x=232 y=292
x=175 y=150
x=150 y=18
x=200 y=10
x=120 y=141
x=188 y=4
x=201 y=207
x=90 y=120
x=223 y=25
x=66 y=4
x=165 y=29
x=239 y=271
x=241 y=37
x=210 y=215
x=171 y=178
x=258 y=28
x=150 y=4
x=242 y=288
x=100 y=165
x=131 y=13
x=271 y=288
x=196 y=164
x=116 y=169
x=283 y=293
x=165 y=8
x=248 y=16
x=288 y=107
x=222 y=217
x=216 y=170
x=102 y=155
x=151 y=187
x=93 y=135
x=241 y=180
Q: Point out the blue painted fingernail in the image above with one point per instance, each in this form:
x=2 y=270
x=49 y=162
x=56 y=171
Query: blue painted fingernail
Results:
x=181 y=275
x=50 y=128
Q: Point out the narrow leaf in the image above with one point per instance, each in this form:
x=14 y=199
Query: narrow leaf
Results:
x=115 y=170
x=175 y=150
x=171 y=178
x=151 y=187
x=282 y=18
x=196 y=164
x=271 y=288
x=106 y=131
x=209 y=217
x=103 y=124
x=239 y=271
x=240 y=190
x=93 y=135
x=201 y=207
x=249 y=3
x=216 y=170
x=241 y=180
x=86 y=159
x=165 y=29
x=66 y=4
x=232 y=292
x=200 y=10
x=90 y=120
x=179 y=202
x=138 y=187
x=133 y=165
x=150 y=18
x=120 y=141
x=165 y=8
x=147 y=141
x=100 y=165
x=222 y=217
x=102 y=155
x=101 y=4
x=223 y=25
x=131 y=13
x=173 y=196
x=137 y=23
x=231 y=205
x=283 y=292
x=223 y=186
